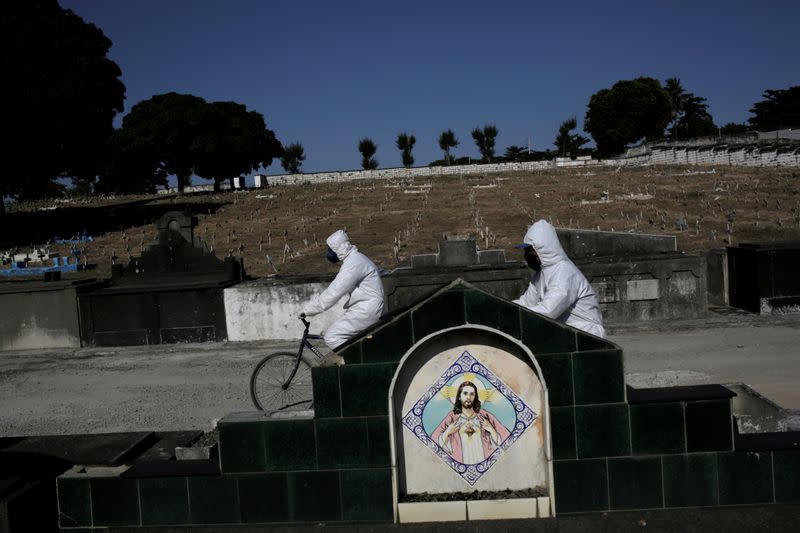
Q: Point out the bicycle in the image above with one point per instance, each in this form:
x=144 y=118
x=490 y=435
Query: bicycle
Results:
x=282 y=381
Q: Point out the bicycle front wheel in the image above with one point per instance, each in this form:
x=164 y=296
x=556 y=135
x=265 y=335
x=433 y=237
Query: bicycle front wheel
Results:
x=268 y=378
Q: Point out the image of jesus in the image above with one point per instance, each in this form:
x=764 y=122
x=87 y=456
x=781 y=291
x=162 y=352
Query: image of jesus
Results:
x=469 y=434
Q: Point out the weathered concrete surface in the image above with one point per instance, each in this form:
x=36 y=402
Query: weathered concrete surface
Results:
x=187 y=386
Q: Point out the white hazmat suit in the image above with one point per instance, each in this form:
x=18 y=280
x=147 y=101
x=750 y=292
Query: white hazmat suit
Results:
x=560 y=291
x=359 y=280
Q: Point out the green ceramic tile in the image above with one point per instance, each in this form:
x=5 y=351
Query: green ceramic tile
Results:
x=690 y=480
x=787 y=475
x=709 y=426
x=744 y=477
x=389 y=343
x=635 y=483
x=213 y=500
x=562 y=427
x=326 y=391
x=557 y=371
x=367 y=494
x=315 y=496
x=290 y=445
x=602 y=430
x=74 y=502
x=657 y=428
x=546 y=336
x=443 y=311
x=378 y=441
x=164 y=501
x=581 y=486
x=482 y=308
x=341 y=442
x=115 y=502
x=365 y=388
x=241 y=447
x=351 y=353
x=599 y=377
x=590 y=342
x=264 y=498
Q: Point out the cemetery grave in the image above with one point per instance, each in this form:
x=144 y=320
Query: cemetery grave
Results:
x=281 y=230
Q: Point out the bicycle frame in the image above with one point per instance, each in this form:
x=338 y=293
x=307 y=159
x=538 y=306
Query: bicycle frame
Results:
x=304 y=343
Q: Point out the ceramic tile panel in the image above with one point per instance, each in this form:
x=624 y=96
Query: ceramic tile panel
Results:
x=365 y=388
x=598 y=377
x=581 y=486
x=341 y=442
x=709 y=426
x=389 y=343
x=690 y=480
x=74 y=502
x=557 y=371
x=115 y=502
x=241 y=446
x=602 y=430
x=546 y=336
x=264 y=498
x=315 y=496
x=786 y=466
x=327 y=401
x=562 y=428
x=213 y=500
x=635 y=483
x=290 y=445
x=367 y=495
x=482 y=308
x=164 y=501
x=442 y=311
x=745 y=477
x=657 y=428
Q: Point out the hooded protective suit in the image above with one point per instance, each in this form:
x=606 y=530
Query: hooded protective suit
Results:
x=560 y=290
x=359 y=280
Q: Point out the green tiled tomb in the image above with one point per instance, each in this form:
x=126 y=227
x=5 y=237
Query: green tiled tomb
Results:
x=608 y=454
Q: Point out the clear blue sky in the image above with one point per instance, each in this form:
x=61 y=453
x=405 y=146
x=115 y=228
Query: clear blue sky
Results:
x=327 y=73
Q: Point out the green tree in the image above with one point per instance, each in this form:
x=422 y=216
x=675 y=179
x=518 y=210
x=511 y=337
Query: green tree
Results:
x=485 y=140
x=566 y=142
x=292 y=158
x=405 y=143
x=61 y=94
x=514 y=153
x=695 y=120
x=731 y=128
x=627 y=112
x=448 y=140
x=676 y=94
x=367 y=147
x=779 y=109
x=232 y=141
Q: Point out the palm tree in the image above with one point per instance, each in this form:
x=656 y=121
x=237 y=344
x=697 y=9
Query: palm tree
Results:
x=514 y=152
x=367 y=147
x=566 y=142
x=292 y=158
x=447 y=140
x=484 y=139
x=677 y=96
x=405 y=143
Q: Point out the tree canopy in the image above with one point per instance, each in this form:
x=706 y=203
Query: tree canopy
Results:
x=690 y=116
x=627 y=112
x=448 y=140
x=61 y=94
x=566 y=142
x=485 y=141
x=367 y=147
x=293 y=156
x=405 y=143
x=181 y=134
x=779 y=109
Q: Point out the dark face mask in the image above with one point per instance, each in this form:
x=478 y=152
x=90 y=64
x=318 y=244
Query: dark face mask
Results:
x=532 y=259
x=331 y=256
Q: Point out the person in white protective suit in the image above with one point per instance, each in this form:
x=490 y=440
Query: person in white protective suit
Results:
x=557 y=288
x=359 y=280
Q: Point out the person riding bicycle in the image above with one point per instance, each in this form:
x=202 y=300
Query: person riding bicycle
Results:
x=358 y=278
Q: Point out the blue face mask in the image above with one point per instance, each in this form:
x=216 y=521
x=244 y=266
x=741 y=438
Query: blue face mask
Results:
x=331 y=256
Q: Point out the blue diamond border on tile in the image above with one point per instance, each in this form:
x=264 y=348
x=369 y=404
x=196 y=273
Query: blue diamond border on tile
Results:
x=466 y=363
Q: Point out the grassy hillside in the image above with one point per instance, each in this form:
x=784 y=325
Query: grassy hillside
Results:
x=705 y=207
